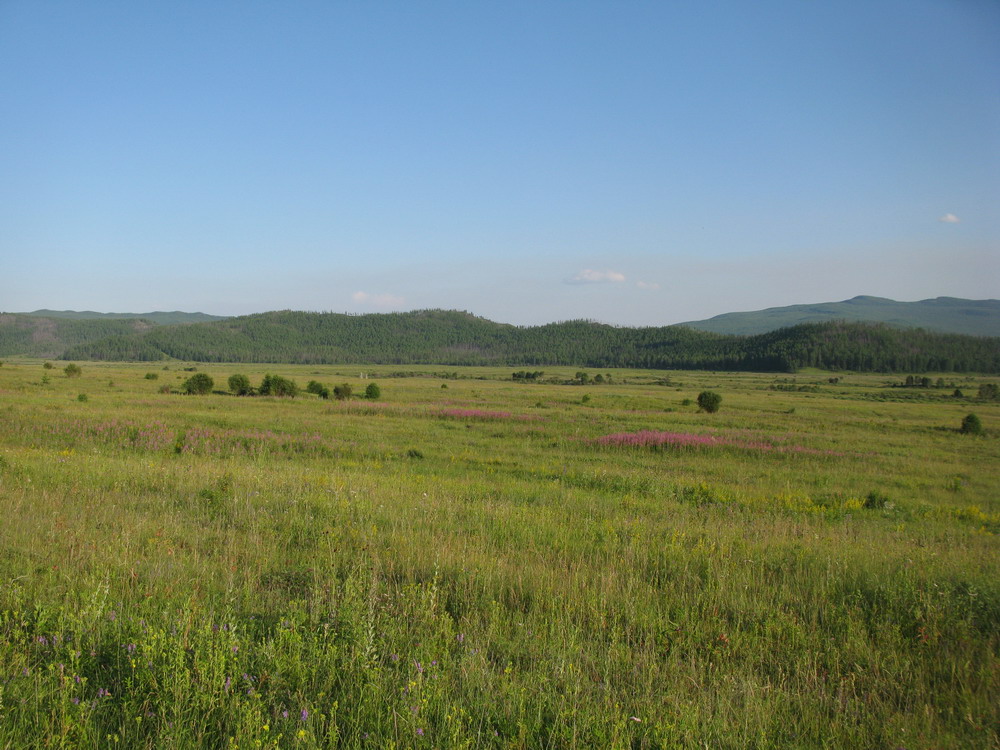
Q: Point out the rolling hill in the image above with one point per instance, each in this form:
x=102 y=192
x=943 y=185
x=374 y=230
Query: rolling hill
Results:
x=942 y=314
x=449 y=337
x=158 y=317
x=457 y=338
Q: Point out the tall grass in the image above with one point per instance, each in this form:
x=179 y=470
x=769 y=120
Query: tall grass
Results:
x=313 y=574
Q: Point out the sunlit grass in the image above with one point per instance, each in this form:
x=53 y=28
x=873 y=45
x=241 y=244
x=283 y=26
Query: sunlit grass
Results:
x=437 y=569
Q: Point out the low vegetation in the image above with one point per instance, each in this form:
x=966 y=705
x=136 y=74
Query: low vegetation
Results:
x=496 y=564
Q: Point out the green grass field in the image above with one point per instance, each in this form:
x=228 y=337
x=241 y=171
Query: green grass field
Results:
x=464 y=563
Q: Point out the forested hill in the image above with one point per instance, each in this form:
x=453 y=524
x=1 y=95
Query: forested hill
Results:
x=35 y=336
x=941 y=314
x=455 y=338
x=158 y=317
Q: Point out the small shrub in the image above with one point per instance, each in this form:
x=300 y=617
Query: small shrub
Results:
x=73 y=370
x=971 y=425
x=876 y=500
x=585 y=399
x=414 y=453
x=45 y=380
x=315 y=387
x=343 y=391
x=989 y=392
x=708 y=401
x=48 y=365
x=275 y=385
x=444 y=385
x=239 y=384
x=958 y=393
x=151 y=376
x=686 y=402
x=82 y=398
x=164 y=388
x=373 y=392
x=199 y=384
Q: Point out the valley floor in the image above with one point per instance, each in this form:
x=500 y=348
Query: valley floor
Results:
x=471 y=561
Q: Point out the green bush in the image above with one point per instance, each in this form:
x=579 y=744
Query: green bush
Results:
x=239 y=384
x=275 y=385
x=343 y=391
x=876 y=500
x=373 y=392
x=199 y=384
x=971 y=425
x=709 y=401
x=73 y=370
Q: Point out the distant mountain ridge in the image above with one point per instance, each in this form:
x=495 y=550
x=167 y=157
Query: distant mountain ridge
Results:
x=942 y=314
x=158 y=317
x=449 y=337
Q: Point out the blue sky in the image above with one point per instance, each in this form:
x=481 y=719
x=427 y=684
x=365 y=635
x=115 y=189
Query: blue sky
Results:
x=638 y=163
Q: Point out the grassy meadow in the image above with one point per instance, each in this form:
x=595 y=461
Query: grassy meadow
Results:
x=475 y=562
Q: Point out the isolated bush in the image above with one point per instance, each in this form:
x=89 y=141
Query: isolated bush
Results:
x=989 y=392
x=199 y=384
x=48 y=365
x=315 y=387
x=709 y=401
x=239 y=384
x=876 y=500
x=343 y=391
x=151 y=376
x=82 y=397
x=971 y=425
x=373 y=392
x=72 y=370
x=275 y=385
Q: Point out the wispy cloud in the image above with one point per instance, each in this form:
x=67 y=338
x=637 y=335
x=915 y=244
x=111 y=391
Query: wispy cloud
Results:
x=950 y=219
x=590 y=276
x=378 y=300
x=651 y=285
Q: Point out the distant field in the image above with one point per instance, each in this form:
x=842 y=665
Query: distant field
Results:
x=473 y=562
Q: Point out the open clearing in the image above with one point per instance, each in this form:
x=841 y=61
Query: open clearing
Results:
x=476 y=562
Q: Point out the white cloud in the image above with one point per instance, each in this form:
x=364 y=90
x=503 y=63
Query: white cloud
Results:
x=378 y=300
x=589 y=276
x=647 y=285
x=950 y=219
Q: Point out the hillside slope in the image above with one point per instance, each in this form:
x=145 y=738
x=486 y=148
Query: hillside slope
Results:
x=158 y=317
x=455 y=338
x=942 y=314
